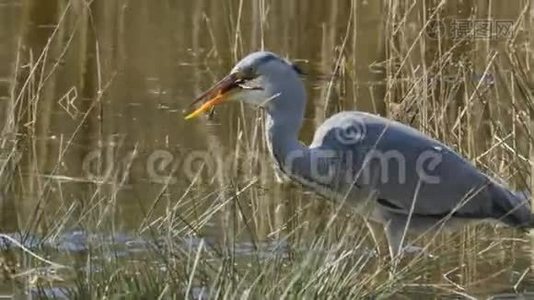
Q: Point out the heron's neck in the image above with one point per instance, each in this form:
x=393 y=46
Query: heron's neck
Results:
x=284 y=146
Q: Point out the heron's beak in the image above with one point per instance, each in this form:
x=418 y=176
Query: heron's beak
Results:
x=215 y=95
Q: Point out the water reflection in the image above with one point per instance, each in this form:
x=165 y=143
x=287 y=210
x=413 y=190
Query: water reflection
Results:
x=124 y=245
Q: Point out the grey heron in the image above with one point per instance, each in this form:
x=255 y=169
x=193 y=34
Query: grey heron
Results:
x=390 y=172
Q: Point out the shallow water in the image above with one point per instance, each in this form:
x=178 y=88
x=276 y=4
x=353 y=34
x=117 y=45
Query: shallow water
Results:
x=110 y=124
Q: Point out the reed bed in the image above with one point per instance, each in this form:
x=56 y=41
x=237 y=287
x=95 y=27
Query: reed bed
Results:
x=83 y=216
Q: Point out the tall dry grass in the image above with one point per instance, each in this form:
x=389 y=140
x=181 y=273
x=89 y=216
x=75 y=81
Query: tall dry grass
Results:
x=269 y=240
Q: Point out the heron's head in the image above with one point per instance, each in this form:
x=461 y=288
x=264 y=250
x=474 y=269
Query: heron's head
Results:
x=262 y=79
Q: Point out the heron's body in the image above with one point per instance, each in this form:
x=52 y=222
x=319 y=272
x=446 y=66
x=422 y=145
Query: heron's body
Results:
x=378 y=174
x=390 y=172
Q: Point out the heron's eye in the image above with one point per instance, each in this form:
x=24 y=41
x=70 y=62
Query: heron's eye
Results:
x=248 y=73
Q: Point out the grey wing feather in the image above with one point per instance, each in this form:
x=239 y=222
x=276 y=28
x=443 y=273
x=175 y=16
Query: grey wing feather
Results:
x=403 y=165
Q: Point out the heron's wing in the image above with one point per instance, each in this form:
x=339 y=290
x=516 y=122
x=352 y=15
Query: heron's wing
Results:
x=411 y=171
